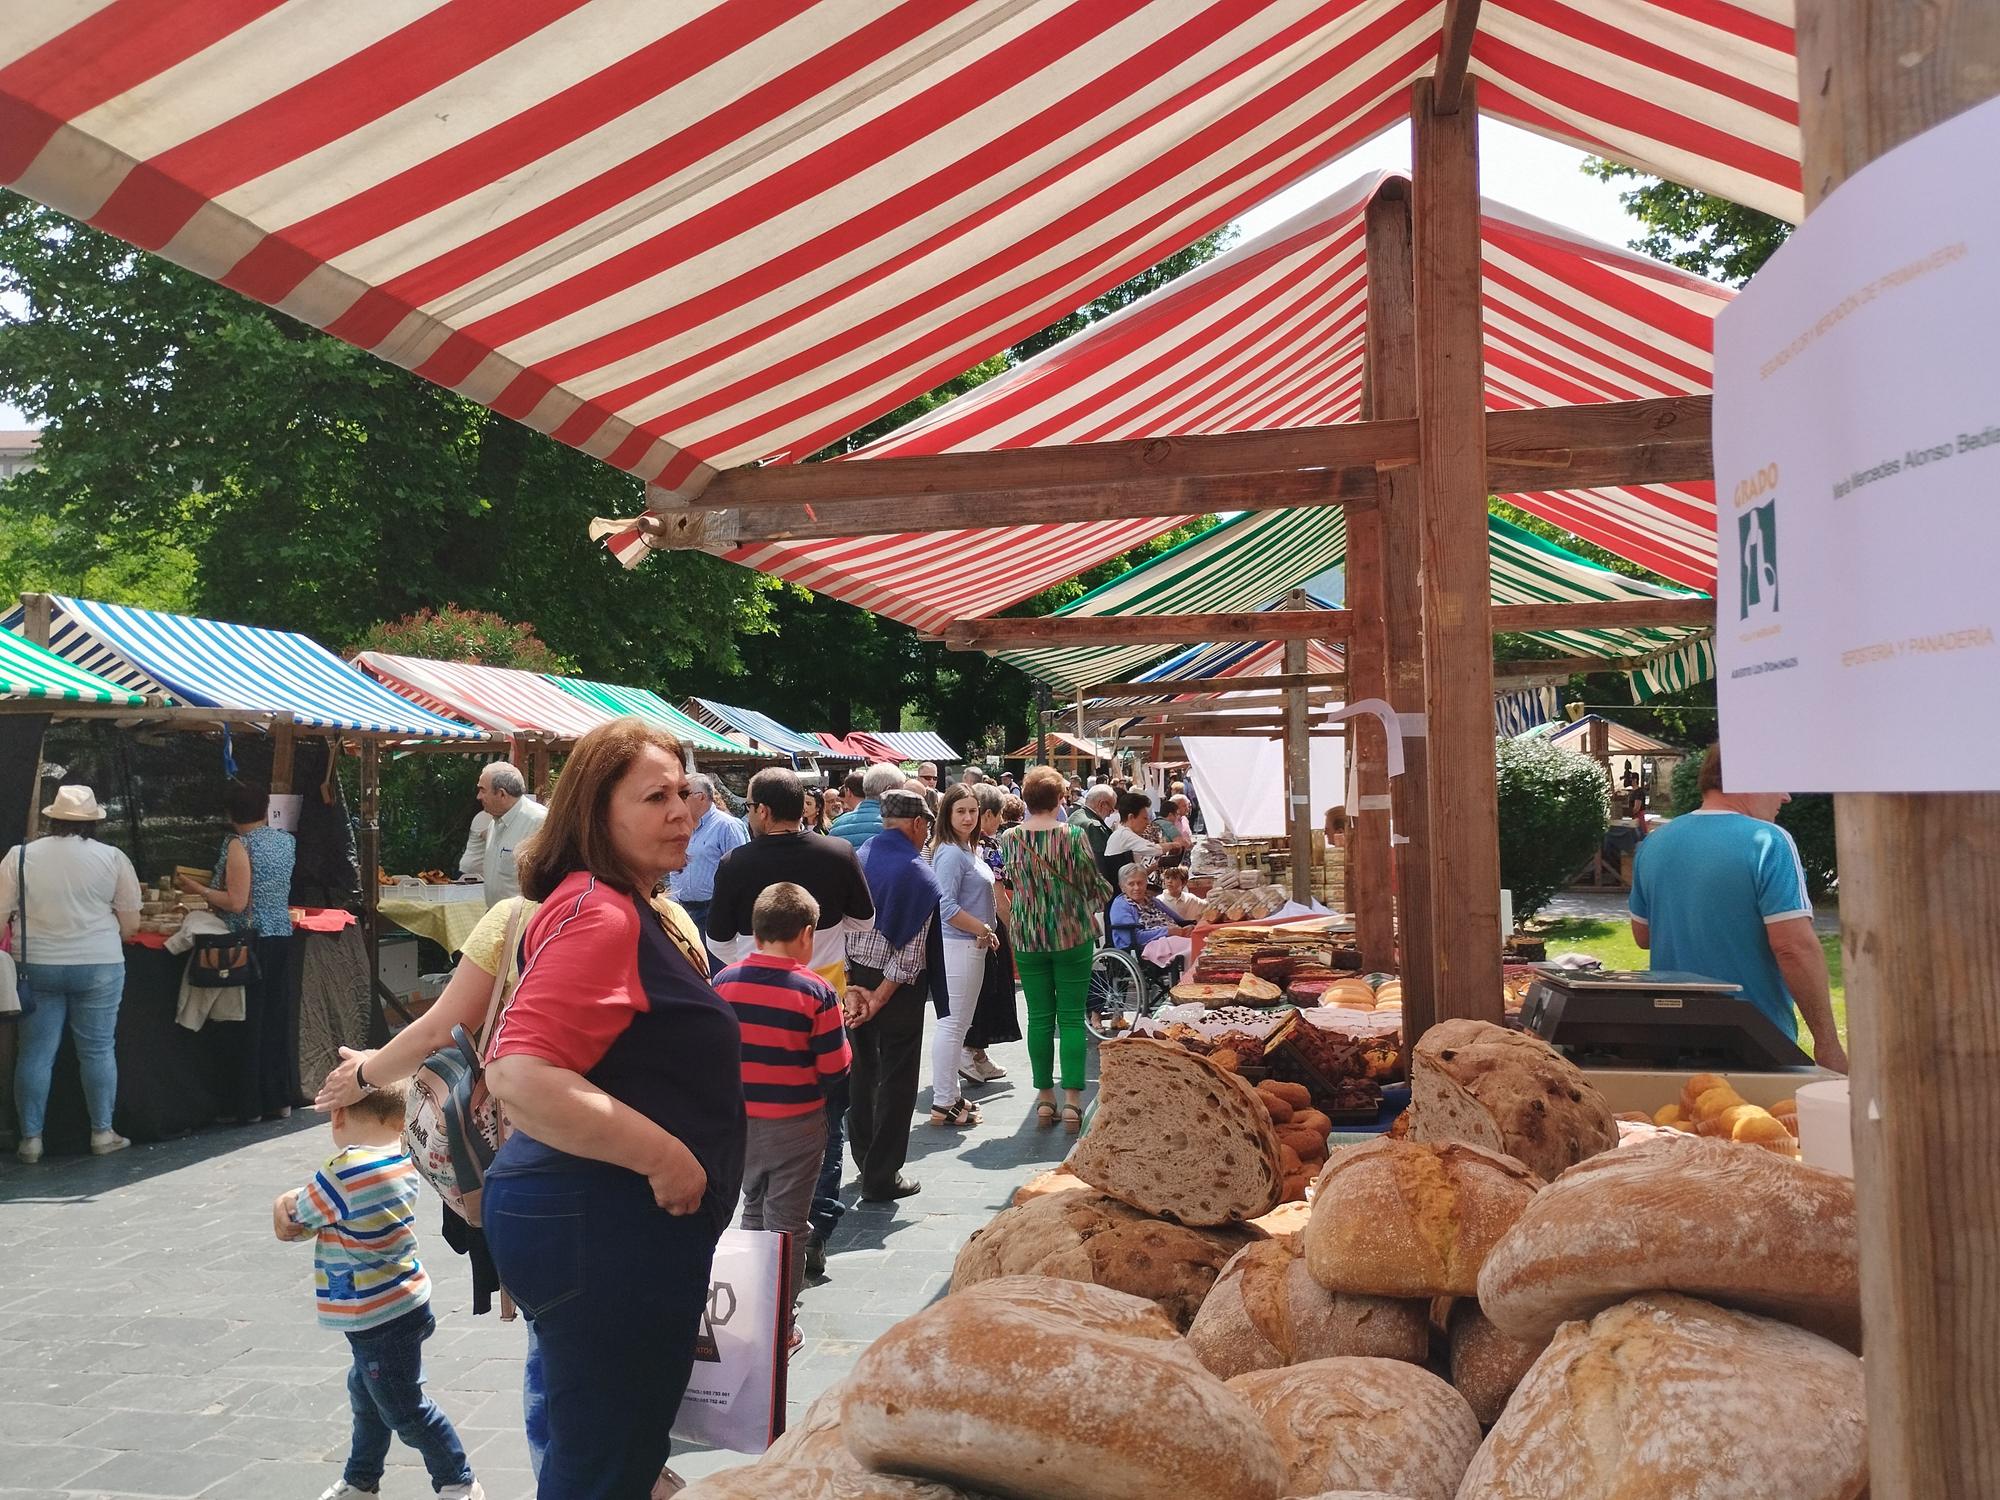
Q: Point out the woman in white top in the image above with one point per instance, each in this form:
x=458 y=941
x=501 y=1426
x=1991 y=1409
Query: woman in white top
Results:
x=81 y=901
x=970 y=911
x=1128 y=843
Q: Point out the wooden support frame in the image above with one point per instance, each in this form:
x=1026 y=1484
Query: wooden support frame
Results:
x=1919 y=889
x=1298 y=767
x=1460 y=28
x=1459 y=617
x=1218 y=685
x=1002 y=633
x=1660 y=440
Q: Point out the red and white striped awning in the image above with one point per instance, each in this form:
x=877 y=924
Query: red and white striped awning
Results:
x=688 y=236
x=1271 y=335
x=500 y=698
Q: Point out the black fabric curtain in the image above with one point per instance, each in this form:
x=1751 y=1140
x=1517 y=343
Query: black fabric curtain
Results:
x=20 y=745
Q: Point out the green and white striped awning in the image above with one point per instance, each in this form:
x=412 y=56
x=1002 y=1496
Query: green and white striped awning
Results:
x=639 y=703
x=30 y=671
x=1253 y=560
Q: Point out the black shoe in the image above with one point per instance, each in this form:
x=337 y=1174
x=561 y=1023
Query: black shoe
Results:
x=902 y=1187
x=815 y=1256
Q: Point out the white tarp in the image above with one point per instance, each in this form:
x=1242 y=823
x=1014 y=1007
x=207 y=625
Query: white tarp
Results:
x=1241 y=782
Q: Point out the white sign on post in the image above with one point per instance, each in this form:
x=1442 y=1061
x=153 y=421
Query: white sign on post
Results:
x=1857 y=485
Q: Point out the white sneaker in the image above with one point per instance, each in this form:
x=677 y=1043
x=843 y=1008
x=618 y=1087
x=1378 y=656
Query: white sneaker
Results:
x=346 y=1491
x=469 y=1491
x=104 y=1142
x=989 y=1070
x=30 y=1149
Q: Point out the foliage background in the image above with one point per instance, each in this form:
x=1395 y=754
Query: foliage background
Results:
x=1554 y=808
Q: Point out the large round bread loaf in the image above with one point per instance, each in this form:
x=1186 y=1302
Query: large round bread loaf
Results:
x=814 y=1440
x=1179 y=1137
x=764 y=1481
x=1055 y=1180
x=1508 y=1091
x=1398 y=1219
x=1486 y=1365
x=1364 y=1424
x=1266 y=1311
x=1043 y=1389
x=1715 y=1220
x=1090 y=1236
x=1664 y=1396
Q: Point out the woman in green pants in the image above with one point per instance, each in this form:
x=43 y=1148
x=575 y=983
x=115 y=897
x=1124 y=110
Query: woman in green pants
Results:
x=1058 y=894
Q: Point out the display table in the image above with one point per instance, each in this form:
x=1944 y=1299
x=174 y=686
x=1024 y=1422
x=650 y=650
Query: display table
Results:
x=446 y=914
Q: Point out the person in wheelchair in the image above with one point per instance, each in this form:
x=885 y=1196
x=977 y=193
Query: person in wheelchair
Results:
x=1137 y=917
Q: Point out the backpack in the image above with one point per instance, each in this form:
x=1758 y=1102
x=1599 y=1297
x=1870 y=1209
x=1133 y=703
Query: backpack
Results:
x=452 y=1128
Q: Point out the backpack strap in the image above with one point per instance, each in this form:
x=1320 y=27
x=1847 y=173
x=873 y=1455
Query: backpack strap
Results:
x=500 y=976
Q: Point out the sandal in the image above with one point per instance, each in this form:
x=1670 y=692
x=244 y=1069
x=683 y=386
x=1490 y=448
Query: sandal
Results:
x=959 y=1115
x=1072 y=1118
x=1045 y=1113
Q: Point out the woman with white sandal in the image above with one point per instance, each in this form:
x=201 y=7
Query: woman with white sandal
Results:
x=970 y=914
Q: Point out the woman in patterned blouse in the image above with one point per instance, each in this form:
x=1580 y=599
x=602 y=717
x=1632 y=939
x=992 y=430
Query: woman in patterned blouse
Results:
x=1058 y=896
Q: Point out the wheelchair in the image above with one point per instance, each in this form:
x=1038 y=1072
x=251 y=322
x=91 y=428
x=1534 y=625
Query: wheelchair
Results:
x=1124 y=987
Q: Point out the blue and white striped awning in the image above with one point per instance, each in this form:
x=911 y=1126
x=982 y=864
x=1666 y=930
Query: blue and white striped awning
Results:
x=761 y=729
x=240 y=668
x=915 y=744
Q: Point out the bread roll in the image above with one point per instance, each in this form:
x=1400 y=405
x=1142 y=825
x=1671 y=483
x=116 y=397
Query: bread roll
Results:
x=1178 y=1136
x=1275 y=1105
x=1486 y=1365
x=762 y=1481
x=1266 y=1312
x=1369 y=1423
x=1668 y=1396
x=1051 y=1390
x=1398 y=1219
x=1091 y=1237
x=1295 y=1094
x=1745 y=1228
x=1509 y=1092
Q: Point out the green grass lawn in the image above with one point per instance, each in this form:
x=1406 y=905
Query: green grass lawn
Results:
x=1612 y=943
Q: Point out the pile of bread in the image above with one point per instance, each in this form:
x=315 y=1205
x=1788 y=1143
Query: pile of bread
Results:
x=162 y=907
x=1530 y=1315
x=1708 y=1106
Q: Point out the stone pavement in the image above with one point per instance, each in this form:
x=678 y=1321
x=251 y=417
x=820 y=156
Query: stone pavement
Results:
x=156 y=1340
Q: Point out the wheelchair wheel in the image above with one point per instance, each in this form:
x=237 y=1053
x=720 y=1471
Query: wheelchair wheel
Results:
x=1117 y=995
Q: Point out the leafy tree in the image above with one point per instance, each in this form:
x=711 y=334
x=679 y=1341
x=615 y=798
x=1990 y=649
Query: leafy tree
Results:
x=470 y=635
x=1696 y=231
x=1554 y=809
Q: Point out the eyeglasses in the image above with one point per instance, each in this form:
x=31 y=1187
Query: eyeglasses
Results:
x=930 y=780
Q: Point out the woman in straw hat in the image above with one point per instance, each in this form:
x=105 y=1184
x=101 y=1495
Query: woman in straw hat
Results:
x=71 y=900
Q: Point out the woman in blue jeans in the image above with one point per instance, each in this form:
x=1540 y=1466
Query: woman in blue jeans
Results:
x=619 y=1069
x=72 y=900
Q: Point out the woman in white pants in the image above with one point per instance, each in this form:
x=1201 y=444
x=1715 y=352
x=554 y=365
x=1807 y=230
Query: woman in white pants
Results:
x=969 y=935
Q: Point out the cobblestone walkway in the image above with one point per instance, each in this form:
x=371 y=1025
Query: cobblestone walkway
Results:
x=155 y=1340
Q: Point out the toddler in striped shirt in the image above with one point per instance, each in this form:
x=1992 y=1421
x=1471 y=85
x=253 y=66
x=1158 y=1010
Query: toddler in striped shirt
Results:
x=358 y=1210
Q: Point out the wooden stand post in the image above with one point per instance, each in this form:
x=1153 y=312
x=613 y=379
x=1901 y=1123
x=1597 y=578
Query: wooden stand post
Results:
x=1368 y=882
x=1457 y=571
x=371 y=860
x=1298 y=769
x=1392 y=392
x=282 y=754
x=1919 y=897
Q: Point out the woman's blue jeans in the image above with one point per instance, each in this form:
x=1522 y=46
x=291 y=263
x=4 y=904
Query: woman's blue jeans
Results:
x=86 y=997
x=615 y=1288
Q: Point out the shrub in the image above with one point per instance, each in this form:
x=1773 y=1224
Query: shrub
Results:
x=1685 y=786
x=469 y=635
x=1554 y=808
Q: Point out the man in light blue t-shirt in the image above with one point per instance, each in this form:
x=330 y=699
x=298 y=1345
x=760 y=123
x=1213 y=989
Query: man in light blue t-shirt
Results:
x=1720 y=892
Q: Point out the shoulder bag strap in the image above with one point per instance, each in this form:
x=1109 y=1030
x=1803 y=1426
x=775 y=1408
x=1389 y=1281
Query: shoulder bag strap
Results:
x=500 y=976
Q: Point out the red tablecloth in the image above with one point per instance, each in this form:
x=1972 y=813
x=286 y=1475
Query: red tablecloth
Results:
x=304 y=919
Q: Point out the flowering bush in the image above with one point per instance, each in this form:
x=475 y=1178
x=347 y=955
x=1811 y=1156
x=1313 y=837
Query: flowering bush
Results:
x=1554 y=808
x=469 y=635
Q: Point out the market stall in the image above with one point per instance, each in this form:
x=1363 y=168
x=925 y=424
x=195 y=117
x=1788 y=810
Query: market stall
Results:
x=217 y=698
x=757 y=731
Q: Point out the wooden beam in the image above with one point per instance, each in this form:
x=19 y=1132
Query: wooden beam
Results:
x=38 y=613
x=1370 y=889
x=1919 y=886
x=1459 y=617
x=1002 y=633
x=1455 y=37
x=1218 y=684
x=1391 y=362
x=282 y=753
x=1663 y=440
x=1207 y=703
x=1298 y=767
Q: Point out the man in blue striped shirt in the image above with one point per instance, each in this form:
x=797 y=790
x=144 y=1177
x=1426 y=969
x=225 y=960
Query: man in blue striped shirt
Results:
x=358 y=1210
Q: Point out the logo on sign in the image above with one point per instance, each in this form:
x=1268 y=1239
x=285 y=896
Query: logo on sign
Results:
x=1757 y=555
x=721 y=1308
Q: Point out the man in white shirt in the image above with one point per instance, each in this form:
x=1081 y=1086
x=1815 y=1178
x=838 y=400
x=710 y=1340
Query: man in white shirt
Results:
x=506 y=816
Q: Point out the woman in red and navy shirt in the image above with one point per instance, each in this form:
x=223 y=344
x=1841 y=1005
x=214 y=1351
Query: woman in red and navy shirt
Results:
x=619 y=1070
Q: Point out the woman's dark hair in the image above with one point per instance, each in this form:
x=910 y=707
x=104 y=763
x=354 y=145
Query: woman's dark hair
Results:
x=245 y=803
x=1133 y=802
x=576 y=835
x=942 y=832
x=70 y=828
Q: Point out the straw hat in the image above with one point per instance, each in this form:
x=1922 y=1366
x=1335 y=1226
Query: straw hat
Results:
x=74 y=804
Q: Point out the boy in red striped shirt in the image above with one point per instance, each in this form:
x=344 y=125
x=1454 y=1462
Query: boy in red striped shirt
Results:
x=795 y=1062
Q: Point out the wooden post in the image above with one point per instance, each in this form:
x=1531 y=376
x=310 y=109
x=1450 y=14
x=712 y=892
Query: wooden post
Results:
x=282 y=754
x=371 y=860
x=1392 y=391
x=1298 y=768
x=1457 y=571
x=38 y=612
x=1919 y=890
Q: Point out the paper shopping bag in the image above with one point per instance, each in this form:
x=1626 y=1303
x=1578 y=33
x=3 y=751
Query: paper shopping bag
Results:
x=736 y=1397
